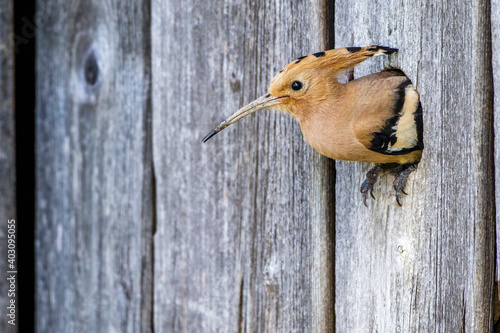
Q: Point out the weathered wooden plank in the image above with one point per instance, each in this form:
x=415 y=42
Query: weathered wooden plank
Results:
x=7 y=153
x=495 y=39
x=244 y=223
x=427 y=266
x=94 y=167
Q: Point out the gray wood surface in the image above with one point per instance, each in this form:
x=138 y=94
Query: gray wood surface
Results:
x=244 y=222
x=7 y=151
x=142 y=228
x=495 y=45
x=94 y=167
x=427 y=266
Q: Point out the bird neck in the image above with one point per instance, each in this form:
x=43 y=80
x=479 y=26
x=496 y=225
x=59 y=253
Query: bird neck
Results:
x=323 y=122
x=322 y=105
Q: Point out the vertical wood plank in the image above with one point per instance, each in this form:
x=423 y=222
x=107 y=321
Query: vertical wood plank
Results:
x=495 y=45
x=7 y=153
x=427 y=266
x=244 y=223
x=94 y=167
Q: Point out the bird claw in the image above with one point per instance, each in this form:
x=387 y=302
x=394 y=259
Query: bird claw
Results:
x=371 y=179
x=365 y=188
x=401 y=172
x=398 y=199
x=400 y=180
x=399 y=190
x=365 y=194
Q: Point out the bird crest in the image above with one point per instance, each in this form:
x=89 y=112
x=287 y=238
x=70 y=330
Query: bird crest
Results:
x=335 y=61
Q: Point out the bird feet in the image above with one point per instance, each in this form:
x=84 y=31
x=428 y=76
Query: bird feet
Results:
x=400 y=171
x=371 y=179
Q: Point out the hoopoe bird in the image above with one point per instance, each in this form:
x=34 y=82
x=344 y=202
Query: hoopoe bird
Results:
x=376 y=118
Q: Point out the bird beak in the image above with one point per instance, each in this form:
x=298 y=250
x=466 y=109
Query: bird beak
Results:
x=260 y=103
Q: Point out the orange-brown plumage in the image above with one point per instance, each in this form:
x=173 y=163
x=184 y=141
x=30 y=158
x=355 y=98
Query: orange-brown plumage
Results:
x=376 y=118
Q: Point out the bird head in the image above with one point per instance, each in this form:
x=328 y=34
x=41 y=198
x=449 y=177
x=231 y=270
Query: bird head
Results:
x=303 y=81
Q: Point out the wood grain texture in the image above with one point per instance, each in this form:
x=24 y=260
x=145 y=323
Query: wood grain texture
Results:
x=244 y=222
x=428 y=266
x=495 y=45
x=7 y=150
x=94 y=167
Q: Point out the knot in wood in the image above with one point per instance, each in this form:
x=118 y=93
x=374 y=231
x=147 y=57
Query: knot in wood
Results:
x=91 y=69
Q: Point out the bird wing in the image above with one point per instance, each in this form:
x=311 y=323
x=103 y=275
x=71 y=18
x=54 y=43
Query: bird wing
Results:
x=389 y=119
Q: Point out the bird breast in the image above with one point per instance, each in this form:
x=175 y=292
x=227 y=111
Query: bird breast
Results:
x=330 y=137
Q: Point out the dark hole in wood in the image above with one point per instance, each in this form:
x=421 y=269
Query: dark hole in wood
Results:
x=91 y=69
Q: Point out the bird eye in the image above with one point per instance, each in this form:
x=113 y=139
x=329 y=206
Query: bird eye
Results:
x=296 y=85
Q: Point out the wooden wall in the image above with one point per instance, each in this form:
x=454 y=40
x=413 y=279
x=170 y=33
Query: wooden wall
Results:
x=142 y=228
x=495 y=46
x=244 y=237
x=7 y=151
x=94 y=171
x=428 y=266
